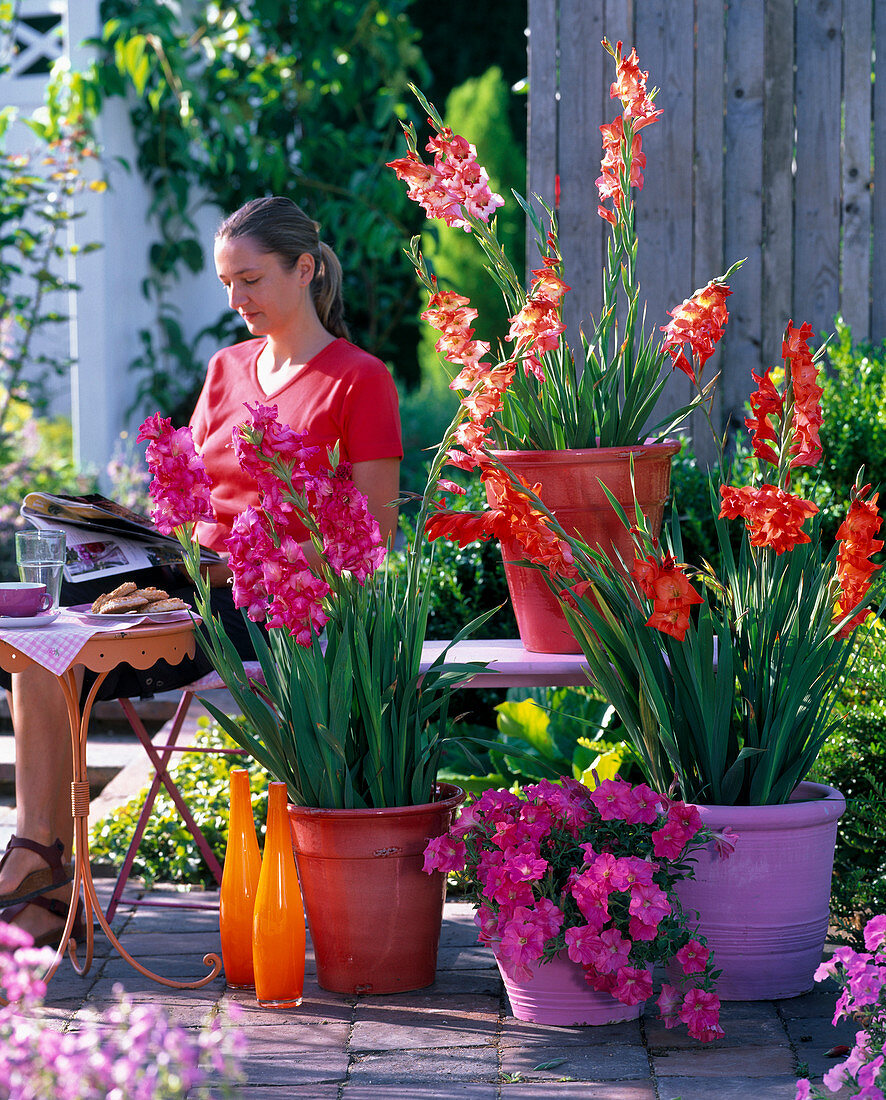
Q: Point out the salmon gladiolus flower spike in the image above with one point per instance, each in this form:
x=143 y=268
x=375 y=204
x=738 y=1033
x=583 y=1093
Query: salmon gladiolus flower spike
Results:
x=622 y=145
x=454 y=185
x=698 y=322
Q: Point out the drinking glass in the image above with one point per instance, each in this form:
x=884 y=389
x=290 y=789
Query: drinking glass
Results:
x=41 y=557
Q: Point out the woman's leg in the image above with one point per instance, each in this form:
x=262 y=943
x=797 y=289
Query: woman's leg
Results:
x=43 y=773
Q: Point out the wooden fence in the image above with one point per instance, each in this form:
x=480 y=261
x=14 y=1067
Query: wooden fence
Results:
x=775 y=113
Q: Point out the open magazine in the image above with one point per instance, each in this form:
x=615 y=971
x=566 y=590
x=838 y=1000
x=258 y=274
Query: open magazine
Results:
x=103 y=537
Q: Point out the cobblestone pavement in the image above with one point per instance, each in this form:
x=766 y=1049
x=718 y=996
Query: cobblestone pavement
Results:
x=457 y=1038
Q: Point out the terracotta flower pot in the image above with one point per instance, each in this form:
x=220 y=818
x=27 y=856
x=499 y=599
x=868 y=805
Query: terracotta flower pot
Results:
x=764 y=910
x=374 y=914
x=570 y=487
x=558 y=994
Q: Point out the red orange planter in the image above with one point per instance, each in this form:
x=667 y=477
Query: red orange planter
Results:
x=374 y=914
x=571 y=488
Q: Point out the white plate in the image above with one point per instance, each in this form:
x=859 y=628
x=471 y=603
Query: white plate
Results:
x=129 y=616
x=22 y=622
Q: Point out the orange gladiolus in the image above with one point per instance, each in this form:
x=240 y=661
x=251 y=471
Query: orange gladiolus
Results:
x=766 y=401
x=854 y=567
x=774 y=517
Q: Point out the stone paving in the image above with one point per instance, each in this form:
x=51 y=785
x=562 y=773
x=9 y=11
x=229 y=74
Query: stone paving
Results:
x=455 y=1039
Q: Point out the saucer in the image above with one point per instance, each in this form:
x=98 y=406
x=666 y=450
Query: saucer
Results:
x=21 y=622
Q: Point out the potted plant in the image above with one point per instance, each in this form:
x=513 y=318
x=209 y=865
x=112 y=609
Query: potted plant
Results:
x=565 y=428
x=574 y=890
x=725 y=678
x=349 y=722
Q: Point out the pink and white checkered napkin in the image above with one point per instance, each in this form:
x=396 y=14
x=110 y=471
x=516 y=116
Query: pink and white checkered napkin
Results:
x=56 y=646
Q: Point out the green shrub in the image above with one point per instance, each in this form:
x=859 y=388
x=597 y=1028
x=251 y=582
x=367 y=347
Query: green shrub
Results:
x=168 y=852
x=466 y=581
x=854 y=761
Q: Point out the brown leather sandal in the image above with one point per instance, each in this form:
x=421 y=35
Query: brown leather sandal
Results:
x=37 y=882
x=58 y=909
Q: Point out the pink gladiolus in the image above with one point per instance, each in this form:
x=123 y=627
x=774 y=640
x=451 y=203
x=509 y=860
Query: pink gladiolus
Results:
x=351 y=538
x=180 y=487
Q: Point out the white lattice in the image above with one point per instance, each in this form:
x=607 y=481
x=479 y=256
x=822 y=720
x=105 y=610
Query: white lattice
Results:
x=36 y=40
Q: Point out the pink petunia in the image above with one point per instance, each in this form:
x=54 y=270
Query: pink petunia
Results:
x=693 y=957
x=649 y=904
x=701 y=1014
x=875 y=932
x=613 y=799
x=443 y=853
x=669 y=1001
x=521 y=946
x=632 y=986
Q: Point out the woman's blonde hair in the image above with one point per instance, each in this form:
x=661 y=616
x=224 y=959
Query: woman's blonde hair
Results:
x=277 y=225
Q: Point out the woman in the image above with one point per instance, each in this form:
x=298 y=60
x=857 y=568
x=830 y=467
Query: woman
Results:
x=286 y=285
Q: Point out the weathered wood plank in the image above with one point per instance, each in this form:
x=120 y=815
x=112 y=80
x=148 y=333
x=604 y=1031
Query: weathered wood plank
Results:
x=708 y=259
x=743 y=201
x=665 y=45
x=817 y=184
x=542 y=113
x=857 y=175
x=580 y=109
x=778 y=182
x=724 y=177
x=878 y=217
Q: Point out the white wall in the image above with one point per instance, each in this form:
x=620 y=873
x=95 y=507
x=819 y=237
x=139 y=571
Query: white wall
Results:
x=109 y=310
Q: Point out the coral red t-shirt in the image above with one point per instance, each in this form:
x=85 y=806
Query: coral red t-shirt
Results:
x=343 y=395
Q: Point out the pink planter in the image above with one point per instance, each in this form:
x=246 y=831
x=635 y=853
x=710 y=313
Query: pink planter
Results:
x=570 y=487
x=764 y=910
x=558 y=994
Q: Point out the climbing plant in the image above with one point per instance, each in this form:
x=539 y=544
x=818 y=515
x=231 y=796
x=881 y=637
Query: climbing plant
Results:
x=228 y=103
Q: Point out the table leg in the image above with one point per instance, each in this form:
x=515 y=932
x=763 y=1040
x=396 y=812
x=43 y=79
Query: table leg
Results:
x=79 y=725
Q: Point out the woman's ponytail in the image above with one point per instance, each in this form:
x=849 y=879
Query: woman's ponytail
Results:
x=326 y=289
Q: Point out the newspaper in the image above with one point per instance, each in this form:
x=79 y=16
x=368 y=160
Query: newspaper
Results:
x=103 y=537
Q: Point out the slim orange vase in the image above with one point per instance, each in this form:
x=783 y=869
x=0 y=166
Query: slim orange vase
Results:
x=239 y=885
x=278 y=929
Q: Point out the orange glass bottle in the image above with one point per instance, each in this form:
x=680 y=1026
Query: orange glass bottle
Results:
x=239 y=885
x=278 y=929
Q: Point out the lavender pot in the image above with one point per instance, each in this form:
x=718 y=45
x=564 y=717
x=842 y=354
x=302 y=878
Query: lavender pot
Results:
x=764 y=910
